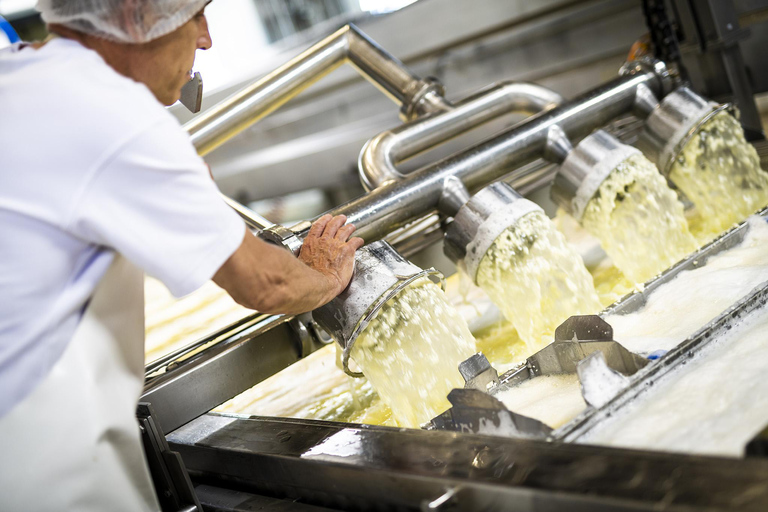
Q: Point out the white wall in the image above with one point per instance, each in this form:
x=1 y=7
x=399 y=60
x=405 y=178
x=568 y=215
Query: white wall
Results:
x=239 y=41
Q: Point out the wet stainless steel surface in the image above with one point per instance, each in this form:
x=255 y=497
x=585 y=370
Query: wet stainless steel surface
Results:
x=685 y=350
x=383 y=468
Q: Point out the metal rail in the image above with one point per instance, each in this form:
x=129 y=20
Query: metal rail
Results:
x=257 y=348
x=381 y=154
x=346 y=45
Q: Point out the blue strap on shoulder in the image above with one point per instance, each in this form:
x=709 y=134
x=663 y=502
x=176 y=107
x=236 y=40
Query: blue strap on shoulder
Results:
x=6 y=27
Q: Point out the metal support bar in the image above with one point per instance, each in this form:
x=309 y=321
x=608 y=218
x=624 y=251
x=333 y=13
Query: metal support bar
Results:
x=251 y=218
x=710 y=48
x=346 y=45
x=172 y=484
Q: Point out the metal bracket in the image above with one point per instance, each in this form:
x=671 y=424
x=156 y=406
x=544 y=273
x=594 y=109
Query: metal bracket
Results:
x=310 y=335
x=584 y=328
x=758 y=445
x=478 y=373
x=173 y=486
x=480 y=413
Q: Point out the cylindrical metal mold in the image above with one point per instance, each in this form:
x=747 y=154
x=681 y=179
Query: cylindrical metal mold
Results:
x=380 y=274
x=481 y=220
x=585 y=168
x=670 y=126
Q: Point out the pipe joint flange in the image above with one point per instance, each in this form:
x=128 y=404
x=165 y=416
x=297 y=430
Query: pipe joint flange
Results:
x=282 y=236
x=558 y=145
x=415 y=103
x=669 y=78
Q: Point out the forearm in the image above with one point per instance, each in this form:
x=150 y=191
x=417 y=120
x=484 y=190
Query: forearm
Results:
x=269 y=279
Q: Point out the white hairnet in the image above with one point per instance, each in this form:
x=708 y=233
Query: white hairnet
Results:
x=126 y=21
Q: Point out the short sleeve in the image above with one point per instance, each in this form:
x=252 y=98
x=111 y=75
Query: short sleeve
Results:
x=153 y=201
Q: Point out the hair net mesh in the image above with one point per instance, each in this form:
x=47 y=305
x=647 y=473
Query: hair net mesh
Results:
x=127 y=21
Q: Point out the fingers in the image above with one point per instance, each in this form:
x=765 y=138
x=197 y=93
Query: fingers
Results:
x=356 y=242
x=344 y=232
x=333 y=226
x=319 y=225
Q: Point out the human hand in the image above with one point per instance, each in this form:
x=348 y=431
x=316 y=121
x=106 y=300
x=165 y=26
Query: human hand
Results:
x=329 y=250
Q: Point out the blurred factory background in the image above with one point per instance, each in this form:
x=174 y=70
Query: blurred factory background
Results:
x=302 y=159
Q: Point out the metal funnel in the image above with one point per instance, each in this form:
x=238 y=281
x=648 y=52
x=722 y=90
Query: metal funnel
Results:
x=670 y=126
x=584 y=170
x=380 y=274
x=481 y=220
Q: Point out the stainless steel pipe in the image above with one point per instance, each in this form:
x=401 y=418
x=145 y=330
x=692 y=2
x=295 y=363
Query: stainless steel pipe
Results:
x=346 y=45
x=251 y=218
x=392 y=206
x=381 y=154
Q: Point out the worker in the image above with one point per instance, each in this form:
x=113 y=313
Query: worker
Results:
x=99 y=183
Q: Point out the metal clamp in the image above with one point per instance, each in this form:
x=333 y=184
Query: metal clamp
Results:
x=669 y=78
x=282 y=236
x=413 y=104
x=173 y=486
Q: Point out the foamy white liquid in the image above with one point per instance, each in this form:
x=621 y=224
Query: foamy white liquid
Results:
x=695 y=297
x=554 y=399
x=713 y=405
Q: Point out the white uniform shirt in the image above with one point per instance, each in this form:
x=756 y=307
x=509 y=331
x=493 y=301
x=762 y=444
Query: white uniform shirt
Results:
x=90 y=163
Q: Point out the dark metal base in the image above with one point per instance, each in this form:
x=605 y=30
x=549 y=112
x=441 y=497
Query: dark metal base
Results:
x=358 y=467
x=218 y=499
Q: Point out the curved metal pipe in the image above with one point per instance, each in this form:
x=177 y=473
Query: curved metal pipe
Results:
x=395 y=204
x=380 y=155
x=347 y=45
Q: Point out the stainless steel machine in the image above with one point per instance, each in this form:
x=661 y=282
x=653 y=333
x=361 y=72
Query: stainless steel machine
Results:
x=210 y=461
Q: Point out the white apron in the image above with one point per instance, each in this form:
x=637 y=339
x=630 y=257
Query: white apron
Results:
x=73 y=443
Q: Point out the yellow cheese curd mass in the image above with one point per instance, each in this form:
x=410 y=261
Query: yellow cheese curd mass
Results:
x=411 y=351
x=172 y=323
x=638 y=220
x=536 y=279
x=719 y=171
